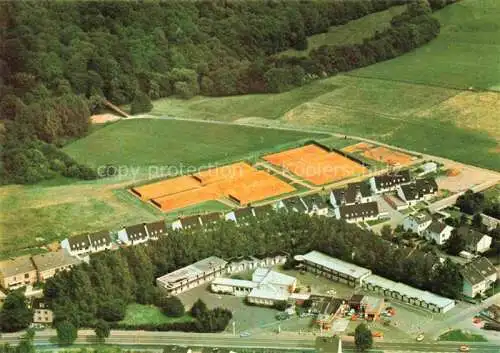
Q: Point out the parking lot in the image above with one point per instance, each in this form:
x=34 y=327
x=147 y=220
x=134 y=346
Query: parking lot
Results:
x=405 y=324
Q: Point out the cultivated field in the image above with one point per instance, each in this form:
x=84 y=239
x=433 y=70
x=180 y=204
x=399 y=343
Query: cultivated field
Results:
x=418 y=101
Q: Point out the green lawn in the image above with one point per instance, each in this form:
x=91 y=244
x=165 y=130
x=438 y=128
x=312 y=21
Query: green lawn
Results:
x=176 y=145
x=269 y=106
x=138 y=314
x=204 y=207
x=493 y=193
x=461 y=336
x=350 y=33
x=338 y=143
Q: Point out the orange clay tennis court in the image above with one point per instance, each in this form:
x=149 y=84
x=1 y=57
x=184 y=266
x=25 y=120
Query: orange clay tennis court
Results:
x=166 y=187
x=186 y=198
x=240 y=182
x=258 y=186
x=316 y=165
x=358 y=147
x=388 y=156
x=231 y=171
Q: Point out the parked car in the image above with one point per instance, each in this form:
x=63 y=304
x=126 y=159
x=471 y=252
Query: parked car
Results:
x=420 y=337
x=282 y=316
x=245 y=334
x=464 y=348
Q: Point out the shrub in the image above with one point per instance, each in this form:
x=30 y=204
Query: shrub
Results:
x=112 y=311
x=141 y=103
x=172 y=306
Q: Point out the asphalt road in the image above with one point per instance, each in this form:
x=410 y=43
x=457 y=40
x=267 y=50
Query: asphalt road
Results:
x=282 y=341
x=434 y=330
x=145 y=338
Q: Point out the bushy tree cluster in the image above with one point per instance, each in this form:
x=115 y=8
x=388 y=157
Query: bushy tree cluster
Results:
x=475 y=202
x=363 y=338
x=102 y=288
x=15 y=314
x=411 y=29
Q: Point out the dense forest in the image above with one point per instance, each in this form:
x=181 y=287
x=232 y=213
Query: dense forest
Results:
x=60 y=59
x=103 y=288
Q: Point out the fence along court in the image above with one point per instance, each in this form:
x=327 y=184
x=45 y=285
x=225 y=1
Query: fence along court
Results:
x=316 y=165
x=166 y=187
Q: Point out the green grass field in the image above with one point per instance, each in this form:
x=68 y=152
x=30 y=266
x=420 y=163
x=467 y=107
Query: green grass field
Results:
x=418 y=101
x=269 y=106
x=177 y=144
x=464 y=55
x=350 y=33
x=138 y=314
x=461 y=336
x=33 y=216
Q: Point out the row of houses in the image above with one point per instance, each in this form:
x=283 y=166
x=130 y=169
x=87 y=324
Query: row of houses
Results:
x=356 y=276
x=355 y=203
x=408 y=191
x=28 y=270
x=435 y=230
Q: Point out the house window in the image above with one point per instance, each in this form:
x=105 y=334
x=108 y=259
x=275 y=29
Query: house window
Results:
x=26 y=275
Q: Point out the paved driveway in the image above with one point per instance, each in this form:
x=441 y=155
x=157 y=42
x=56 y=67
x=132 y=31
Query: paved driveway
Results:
x=396 y=217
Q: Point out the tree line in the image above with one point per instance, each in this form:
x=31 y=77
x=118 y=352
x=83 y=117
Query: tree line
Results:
x=59 y=60
x=113 y=279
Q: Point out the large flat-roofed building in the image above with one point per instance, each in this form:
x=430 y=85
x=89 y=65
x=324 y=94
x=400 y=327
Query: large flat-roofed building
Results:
x=266 y=287
x=237 y=287
x=17 y=272
x=334 y=269
x=48 y=264
x=267 y=294
x=407 y=294
x=192 y=276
